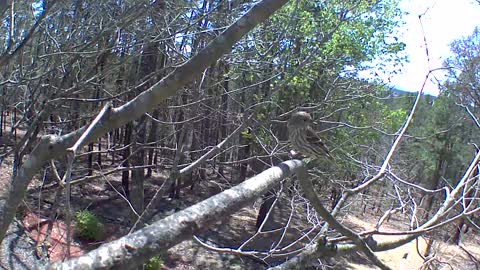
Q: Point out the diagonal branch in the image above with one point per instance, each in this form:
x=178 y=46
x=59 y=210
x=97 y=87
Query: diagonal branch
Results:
x=133 y=249
x=312 y=197
x=51 y=146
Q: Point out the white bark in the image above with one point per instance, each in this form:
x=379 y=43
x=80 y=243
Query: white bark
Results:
x=134 y=249
x=51 y=147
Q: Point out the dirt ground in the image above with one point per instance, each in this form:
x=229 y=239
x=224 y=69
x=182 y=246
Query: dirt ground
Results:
x=407 y=257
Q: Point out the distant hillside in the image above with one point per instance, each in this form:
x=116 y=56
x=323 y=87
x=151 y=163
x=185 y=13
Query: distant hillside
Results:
x=398 y=92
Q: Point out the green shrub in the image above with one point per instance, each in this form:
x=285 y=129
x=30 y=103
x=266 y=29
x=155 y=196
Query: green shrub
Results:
x=89 y=226
x=153 y=263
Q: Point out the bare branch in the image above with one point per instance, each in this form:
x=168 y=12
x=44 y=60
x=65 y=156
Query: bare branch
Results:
x=135 y=248
x=309 y=191
x=51 y=146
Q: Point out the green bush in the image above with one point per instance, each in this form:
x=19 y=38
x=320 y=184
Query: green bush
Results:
x=89 y=226
x=153 y=263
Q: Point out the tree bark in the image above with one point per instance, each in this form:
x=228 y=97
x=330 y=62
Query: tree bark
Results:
x=132 y=250
x=51 y=146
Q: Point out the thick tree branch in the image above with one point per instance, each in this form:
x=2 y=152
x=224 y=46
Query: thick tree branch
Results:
x=51 y=146
x=132 y=250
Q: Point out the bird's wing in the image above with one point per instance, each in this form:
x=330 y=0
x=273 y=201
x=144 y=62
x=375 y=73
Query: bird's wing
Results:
x=314 y=139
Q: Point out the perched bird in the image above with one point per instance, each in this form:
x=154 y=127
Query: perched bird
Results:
x=303 y=138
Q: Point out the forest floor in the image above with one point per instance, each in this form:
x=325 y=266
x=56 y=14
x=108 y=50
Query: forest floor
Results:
x=102 y=198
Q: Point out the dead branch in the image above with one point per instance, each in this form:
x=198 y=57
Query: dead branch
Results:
x=133 y=249
x=50 y=146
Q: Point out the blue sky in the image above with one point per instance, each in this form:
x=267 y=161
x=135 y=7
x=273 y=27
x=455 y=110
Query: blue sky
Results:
x=443 y=21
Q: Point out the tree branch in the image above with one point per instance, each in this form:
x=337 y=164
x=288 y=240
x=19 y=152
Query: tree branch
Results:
x=133 y=249
x=312 y=197
x=51 y=146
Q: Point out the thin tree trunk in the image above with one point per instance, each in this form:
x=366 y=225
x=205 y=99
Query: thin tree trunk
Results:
x=126 y=155
x=267 y=202
x=90 y=159
x=152 y=137
x=99 y=157
x=137 y=195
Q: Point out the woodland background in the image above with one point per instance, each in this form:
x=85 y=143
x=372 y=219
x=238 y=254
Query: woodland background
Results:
x=185 y=112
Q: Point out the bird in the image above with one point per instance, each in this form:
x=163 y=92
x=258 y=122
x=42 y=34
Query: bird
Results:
x=303 y=138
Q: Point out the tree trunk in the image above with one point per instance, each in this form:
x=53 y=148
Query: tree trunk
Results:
x=137 y=195
x=458 y=232
x=267 y=201
x=90 y=159
x=152 y=137
x=1 y=120
x=126 y=155
x=99 y=156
